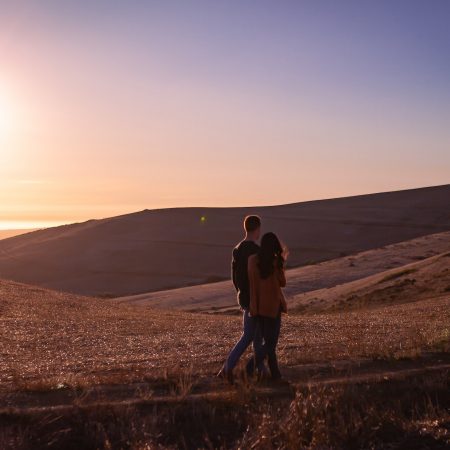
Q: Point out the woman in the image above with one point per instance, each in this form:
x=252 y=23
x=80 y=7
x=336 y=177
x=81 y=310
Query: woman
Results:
x=267 y=302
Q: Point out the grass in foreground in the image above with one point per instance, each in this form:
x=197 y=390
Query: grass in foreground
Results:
x=412 y=413
x=49 y=339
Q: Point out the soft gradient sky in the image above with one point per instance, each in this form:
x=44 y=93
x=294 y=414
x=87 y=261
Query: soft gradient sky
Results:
x=108 y=107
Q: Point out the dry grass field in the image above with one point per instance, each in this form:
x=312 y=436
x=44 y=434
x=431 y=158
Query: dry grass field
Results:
x=80 y=372
x=50 y=338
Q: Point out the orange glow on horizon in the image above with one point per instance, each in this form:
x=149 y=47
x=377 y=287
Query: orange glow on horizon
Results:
x=27 y=225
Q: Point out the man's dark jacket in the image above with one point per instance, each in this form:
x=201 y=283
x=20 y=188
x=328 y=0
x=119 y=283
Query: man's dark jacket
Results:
x=239 y=270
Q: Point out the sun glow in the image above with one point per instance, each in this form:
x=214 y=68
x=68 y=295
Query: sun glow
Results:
x=4 y=123
x=6 y=115
x=29 y=224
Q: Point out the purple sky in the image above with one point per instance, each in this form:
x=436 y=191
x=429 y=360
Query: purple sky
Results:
x=113 y=106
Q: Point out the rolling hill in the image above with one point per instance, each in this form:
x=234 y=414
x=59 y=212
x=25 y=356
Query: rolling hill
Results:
x=163 y=249
x=413 y=282
x=313 y=287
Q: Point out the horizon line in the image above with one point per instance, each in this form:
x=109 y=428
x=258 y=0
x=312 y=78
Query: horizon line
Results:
x=44 y=224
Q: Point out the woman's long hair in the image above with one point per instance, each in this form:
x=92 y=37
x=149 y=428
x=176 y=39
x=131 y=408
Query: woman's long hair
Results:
x=271 y=254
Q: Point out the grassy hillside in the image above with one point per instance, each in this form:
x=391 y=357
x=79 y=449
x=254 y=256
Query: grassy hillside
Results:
x=49 y=338
x=161 y=249
x=413 y=282
x=220 y=297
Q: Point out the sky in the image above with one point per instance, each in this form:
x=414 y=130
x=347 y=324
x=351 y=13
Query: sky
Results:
x=109 y=107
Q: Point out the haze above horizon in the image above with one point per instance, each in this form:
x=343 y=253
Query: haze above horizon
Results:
x=108 y=108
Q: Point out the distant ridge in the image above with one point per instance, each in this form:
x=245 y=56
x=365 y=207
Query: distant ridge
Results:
x=168 y=248
x=5 y=234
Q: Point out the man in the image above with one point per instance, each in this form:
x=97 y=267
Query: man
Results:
x=239 y=274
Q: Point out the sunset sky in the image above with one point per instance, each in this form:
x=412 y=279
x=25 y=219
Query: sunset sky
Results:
x=108 y=107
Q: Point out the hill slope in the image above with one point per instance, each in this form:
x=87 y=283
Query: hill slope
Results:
x=413 y=282
x=325 y=275
x=162 y=249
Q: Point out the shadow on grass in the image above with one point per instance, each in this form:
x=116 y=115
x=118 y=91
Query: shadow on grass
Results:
x=410 y=413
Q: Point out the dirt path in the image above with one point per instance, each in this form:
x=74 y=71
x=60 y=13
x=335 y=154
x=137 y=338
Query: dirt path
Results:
x=192 y=388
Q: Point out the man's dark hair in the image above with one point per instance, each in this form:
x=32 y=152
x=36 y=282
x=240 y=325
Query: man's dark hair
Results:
x=252 y=223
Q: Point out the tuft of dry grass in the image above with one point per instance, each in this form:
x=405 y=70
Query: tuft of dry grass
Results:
x=182 y=383
x=404 y=414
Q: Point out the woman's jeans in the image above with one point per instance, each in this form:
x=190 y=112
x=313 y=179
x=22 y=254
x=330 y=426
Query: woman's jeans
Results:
x=248 y=336
x=268 y=328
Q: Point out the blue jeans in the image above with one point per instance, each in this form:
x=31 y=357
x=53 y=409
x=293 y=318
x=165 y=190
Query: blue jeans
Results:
x=247 y=337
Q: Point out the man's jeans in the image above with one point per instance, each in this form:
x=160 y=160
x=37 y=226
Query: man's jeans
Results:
x=248 y=336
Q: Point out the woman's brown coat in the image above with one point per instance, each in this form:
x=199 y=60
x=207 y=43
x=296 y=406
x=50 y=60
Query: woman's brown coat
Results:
x=266 y=296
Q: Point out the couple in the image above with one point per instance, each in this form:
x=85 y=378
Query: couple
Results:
x=258 y=276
